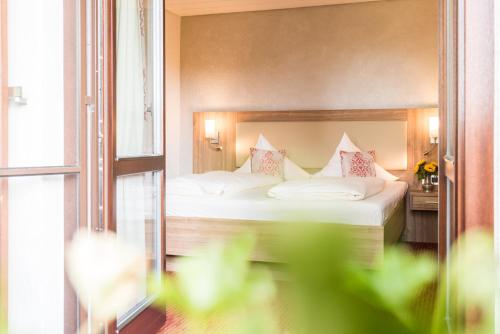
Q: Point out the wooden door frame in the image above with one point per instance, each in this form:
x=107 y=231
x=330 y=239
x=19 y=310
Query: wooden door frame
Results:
x=447 y=61
x=151 y=319
x=75 y=122
x=473 y=80
x=476 y=141
x=467 y=74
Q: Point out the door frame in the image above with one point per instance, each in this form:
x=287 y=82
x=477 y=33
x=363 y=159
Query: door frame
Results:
x=466 y=85
x=76 y=106
x=150 y=319
x=472 y=80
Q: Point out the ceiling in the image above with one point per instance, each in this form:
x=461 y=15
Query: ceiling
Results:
x=203 y=7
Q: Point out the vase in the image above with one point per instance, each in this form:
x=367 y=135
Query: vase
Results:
x=427 y=185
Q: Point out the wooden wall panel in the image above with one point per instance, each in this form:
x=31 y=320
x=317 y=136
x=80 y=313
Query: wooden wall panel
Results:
x=418 y=137
x=323 y=115
x=206 y=7
x=205 y=158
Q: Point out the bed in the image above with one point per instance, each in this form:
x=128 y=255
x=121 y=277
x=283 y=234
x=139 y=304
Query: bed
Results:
x=195 y=221
x=256 y=205
x=192 y=222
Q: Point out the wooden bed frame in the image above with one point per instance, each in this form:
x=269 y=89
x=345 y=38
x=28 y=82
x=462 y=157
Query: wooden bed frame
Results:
x=185 y=235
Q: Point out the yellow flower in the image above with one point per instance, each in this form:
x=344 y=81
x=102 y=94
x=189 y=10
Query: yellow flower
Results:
x=434 y=163
x=418 y=165
x=430 y=168
x=421 y=162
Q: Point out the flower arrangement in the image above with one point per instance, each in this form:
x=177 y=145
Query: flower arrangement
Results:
x=423 y=169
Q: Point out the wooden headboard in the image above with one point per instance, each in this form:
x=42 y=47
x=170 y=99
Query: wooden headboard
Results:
x=205 y=158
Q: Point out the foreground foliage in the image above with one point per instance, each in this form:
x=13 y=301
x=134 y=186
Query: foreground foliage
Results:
x=327 y=289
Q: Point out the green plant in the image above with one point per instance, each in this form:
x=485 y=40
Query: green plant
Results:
x=220 y=287
x=327 y=290
x=335 y=292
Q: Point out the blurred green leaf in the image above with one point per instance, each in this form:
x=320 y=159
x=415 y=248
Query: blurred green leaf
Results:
x=219 y=283
x=329 y=290
x=332 y=288
x=3 y=321
x=396 y=281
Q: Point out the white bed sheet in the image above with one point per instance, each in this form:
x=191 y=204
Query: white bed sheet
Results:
x=254 y=204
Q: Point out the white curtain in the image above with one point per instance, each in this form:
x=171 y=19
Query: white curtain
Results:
x=131 y=192
x=130 y=78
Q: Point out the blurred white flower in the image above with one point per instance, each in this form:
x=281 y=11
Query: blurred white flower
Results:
x=105 y=272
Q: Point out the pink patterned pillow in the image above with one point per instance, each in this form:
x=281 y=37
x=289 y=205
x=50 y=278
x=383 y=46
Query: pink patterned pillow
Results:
x=358 y=164
x=267 y=162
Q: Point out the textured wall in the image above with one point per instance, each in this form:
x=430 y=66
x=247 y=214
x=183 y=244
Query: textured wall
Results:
x=368 y=55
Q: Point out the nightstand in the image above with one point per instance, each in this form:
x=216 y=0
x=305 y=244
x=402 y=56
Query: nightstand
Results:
x=421 y=216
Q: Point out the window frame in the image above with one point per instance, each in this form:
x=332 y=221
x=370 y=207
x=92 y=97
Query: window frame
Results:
x=75 y=34
x=115 y=167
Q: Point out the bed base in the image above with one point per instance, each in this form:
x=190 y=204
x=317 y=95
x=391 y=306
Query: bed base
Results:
x=186 y=235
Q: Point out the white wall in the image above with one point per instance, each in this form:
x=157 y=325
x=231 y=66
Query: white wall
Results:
x=174 y=138
x=367 y=55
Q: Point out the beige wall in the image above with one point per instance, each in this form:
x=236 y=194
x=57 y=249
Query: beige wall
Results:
x=172 y=93
x=368 y=55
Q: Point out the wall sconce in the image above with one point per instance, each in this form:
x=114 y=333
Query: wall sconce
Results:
x=212 y=135
x=433 y=133
x=434 y=129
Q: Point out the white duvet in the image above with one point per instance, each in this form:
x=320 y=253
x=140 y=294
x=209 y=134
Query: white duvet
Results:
x=328 y=188
x=218 y=183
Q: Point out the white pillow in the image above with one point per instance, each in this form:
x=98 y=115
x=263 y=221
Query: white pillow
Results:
x=334 y=167
x=292 y=171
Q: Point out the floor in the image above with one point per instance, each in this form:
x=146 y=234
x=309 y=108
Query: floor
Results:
x=425 y=304
x=174 y=325
x=423 y=308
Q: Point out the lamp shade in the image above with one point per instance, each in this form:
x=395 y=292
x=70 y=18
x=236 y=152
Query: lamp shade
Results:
x=210 y=129
x=433 y=127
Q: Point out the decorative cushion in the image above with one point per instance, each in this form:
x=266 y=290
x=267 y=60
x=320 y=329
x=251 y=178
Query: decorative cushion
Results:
x=292 y=170
x=358 y=164
x=334 y=168
x=267 y=162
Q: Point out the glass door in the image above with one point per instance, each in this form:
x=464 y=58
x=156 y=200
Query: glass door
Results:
x=135 y=150
x=42 y=160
